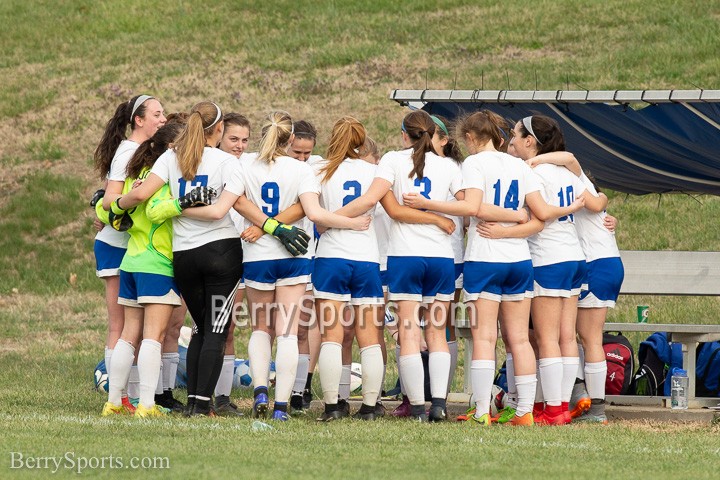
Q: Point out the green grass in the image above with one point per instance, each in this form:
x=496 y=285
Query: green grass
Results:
x=318 y=60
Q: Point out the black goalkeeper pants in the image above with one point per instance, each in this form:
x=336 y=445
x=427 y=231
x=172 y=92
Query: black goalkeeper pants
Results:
x=207 y=277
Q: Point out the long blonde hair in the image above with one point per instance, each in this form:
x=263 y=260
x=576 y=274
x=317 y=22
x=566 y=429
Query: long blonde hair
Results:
x=190 y=144
x=346 y=140
x=276 y=132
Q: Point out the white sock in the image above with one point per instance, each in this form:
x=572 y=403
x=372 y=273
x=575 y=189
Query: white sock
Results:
x=121 y=363
x=344 y=389
x=372 y=373
x=581 y=368
x=482 y=373
x=170 y=363
x=330 y=368
x=512 y=393
x=595 y=376
x=225 y=380
x=302 y=373
x=570 y=370
x=149 y=361
x=108 y=356
x=551 y=379
x=412 y=374
x=259 y=354
x=286 y=362
x=539 y=397
x=397 y=360
x=453 y=346
x=133 y=386
x=159 y=386
x=439 y=367
x=382 y=384
x=525 y=393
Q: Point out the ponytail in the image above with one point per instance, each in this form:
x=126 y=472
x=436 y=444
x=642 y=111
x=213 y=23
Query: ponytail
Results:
x=190 y=145
x=348 y=136
x=451 y=149
x=149 y=151
x=420 y=128
x=276 y=132
x=485 y=126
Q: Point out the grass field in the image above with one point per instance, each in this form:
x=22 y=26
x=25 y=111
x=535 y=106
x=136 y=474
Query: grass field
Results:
x=64 y=67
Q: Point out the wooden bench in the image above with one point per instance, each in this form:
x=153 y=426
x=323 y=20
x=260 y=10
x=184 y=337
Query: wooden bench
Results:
x=655 y=273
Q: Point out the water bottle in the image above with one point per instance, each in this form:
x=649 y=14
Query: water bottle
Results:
x=679 y=385
x=258 y=426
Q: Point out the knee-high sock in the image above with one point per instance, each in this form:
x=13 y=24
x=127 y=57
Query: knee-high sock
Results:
x=133 y=386
x=108 y=356
x=170 y=363
x=397 y=360
x=453 y=346
x=210 y=364
x=192 y=362
x=595 y=376
x=260 y=353
x=412 y=374
x=344 y=390
x=225 y=380
x=372 y=373
x=302 y=373
x=120 y=365
x=581 y=367
x=539 y=397
x=382 y=383
x=551 y=375
x=481 y=374
x=570 y=370
x=525 y=393
x=439 y=367
x=512 y=394
x=149 y=361
x=286 y=362
x=330 y=368
x=159 y=386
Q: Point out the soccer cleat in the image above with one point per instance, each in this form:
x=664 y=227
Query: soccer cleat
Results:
x=166 y=400
x=484 y=419
x=379 y=410
x=280 y=416
x=589 y=417
x=466 y=416
x=154 y=411
x=134 y=401
x=580 y=400
x=364 y=416
x=552 y=415
x=524 y=421
x=331 y=416
x=402 y=410
x=344 y=407
x=128 y=405
x=260 y=405
x=227 y=410
x=566 y=411
x=306 y=398
x=437 y=414
x=110 y=409
x=505 y=415
x=422 y=418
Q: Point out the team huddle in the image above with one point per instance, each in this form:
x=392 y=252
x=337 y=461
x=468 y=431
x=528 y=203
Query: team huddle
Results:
x=331 y=249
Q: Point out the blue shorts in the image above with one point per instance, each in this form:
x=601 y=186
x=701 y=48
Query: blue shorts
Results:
x=564 y=279
x=421 y=279
x=348 y=281
x=107 y=259
x=138 y=289
x=604 y=279
x=458 y=276
x=268 y=274
x=501 y=282
x=384 y=279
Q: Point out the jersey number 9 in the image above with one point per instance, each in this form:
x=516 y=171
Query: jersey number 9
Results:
x=270 y=193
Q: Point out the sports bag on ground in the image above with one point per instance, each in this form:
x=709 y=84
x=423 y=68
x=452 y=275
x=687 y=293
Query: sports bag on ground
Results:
x=620 y=359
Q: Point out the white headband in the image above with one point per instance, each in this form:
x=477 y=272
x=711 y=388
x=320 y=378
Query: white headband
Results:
x=140 y=100
x=527 y=123
x=219 y=114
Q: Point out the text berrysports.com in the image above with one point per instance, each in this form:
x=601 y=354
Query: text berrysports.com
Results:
x=69 y=461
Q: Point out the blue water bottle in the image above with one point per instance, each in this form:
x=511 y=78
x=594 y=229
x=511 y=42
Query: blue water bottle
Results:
x=679 y=386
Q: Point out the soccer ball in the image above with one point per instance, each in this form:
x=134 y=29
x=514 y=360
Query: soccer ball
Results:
x=242 y=377
x=100 y=377
x=355 y=377
x=497 y=400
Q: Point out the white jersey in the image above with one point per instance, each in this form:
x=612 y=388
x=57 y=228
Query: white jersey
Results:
x=274 y=187
x=505 y=181
x=218 y=170
x=381 y=223
x=309 y=227
x=596 y=240
x=441 y=176
x=558 y=241
x=118 y=173
x=351 y=180
x=457 y=239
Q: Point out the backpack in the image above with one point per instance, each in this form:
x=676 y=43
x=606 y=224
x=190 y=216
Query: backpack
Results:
x=620 y=360
x=501 y=377
x=657 y=357
x=708 y=370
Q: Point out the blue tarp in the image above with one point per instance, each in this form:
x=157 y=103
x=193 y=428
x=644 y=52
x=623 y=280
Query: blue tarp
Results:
x=666 y=147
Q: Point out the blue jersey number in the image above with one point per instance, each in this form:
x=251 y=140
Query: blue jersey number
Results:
x=352 y=186
x=198 y=181
x=270 y=193
x=512 y=199
x=426 y=185
x=566 y=196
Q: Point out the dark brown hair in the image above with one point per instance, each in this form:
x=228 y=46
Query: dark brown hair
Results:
x=233 y=118
x=420 y=128
x=485 y=126
x=451 y=148
x=152 y=148
x=305 y=130
x=547 y=133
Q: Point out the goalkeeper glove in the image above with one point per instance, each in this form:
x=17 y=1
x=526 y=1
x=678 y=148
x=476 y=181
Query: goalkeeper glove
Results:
x=119 y=219
x=294 y=239
x=97 y=196
x=197 y=197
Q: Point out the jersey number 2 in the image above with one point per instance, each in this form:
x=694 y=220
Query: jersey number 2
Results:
x=352 y=186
